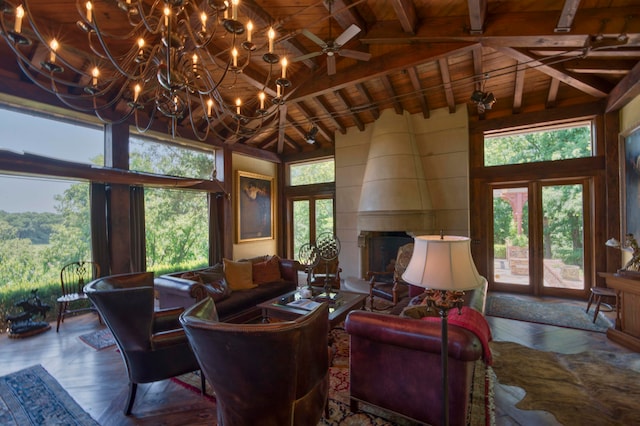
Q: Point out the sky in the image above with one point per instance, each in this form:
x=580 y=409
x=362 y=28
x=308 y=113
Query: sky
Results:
x=26 y=133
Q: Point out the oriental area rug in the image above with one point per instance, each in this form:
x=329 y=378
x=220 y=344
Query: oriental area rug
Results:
x=588 y=388
x=481 y=409
x=558 y=314
x=33 y=397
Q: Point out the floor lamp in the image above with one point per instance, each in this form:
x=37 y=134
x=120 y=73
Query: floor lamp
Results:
x=444 y=266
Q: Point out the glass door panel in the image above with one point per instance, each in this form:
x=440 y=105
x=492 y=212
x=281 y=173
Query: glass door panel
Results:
x=510 y=236
x=563 y=236
x=324 y=216
x=301 y=228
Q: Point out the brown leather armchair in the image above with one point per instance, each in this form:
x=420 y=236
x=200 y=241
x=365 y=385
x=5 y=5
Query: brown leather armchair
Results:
x=152 y=343
x=267 y=374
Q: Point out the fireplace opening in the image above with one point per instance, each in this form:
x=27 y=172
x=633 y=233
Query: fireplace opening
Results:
x=383 y=249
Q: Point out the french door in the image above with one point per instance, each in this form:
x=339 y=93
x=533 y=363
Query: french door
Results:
x=540 y=231
x=308 y=218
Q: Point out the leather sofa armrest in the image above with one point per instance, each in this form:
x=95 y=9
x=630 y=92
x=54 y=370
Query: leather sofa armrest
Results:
x=166 y=319
x=289 y=270
x=413 y=334
x=168 y=338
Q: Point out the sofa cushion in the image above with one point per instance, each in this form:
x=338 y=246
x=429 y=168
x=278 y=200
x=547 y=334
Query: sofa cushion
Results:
x=247 y=299
x=239 y=275
x=267 y=271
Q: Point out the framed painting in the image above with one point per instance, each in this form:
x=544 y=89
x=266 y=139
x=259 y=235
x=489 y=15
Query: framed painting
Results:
x=631 y=185
x=254 y=207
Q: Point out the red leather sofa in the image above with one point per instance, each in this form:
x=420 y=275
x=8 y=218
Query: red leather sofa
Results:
x=395 y=363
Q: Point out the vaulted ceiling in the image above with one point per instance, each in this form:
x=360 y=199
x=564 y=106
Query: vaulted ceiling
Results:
x=415 y=56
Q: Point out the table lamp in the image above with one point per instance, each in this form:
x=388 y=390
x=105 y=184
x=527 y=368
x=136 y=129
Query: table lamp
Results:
x=443 y=265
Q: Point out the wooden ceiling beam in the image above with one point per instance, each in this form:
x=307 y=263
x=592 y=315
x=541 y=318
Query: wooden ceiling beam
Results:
x=374 y=110
x=406 y=11
x=627 y=89
x=519 y=88
x=597 y=66
x=342 y=98
x=590 y=86
x=281 y=127
x=567 y=16
x=395 y=61
x=329 y=114
x=417 y=87
x=552 y=95
x=446 y=82
x=478 y=67
x=345 y=14
x=393 y=96
x=619 y=52
x=477 y=16
x=516 y=29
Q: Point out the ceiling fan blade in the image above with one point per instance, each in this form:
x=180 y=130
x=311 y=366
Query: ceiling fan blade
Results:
x=314 y=38
x=307 y=56
x=354 y=54
x=331 y=65
x=347 y=35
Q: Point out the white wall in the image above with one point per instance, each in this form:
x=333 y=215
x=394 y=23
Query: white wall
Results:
x=443 y=142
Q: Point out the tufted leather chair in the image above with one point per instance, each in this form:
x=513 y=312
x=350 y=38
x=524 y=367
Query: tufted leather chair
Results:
x=152 y=343
x=263 y=374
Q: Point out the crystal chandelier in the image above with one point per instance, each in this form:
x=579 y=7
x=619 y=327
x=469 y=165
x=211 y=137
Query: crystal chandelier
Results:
x=180 y=59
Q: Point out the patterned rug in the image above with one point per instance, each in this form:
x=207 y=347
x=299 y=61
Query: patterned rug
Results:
x=558 y=314
x=481 y=410
x=99 y=340
x=33 y=397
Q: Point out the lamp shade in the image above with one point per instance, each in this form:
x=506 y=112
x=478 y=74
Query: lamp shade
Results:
x=442 y=263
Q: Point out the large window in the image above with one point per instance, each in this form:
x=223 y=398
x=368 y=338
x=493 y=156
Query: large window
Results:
x=541 y=225
x=547 y=144
x=311 y=172
x=176 y=221
x=310 y=197
x=44 y=223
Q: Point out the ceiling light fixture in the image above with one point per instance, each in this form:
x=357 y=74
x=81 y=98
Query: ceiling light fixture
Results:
x=181 y=59
x=310 y=136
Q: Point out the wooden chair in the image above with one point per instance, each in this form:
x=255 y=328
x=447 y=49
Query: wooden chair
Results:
x=73 y=278
x=389 y=284
x=327 y=273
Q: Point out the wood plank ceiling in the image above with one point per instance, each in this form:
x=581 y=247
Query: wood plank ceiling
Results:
x=531 y=54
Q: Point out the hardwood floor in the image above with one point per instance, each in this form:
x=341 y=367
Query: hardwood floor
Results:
x=97 y=379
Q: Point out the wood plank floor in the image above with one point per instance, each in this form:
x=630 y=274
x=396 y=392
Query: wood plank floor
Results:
x=97 y=379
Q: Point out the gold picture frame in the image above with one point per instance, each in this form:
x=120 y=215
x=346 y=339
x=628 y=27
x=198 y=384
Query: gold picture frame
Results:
x=254 y=207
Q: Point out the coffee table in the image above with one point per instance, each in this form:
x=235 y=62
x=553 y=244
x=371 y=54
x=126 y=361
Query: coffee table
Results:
x=340 y=305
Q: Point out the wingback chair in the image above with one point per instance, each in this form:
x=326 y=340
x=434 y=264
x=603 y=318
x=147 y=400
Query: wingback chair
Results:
x=389 y=284
x=268 y=374
x=152 y=343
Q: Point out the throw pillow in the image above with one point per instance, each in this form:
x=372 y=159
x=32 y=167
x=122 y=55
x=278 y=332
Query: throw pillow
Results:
x=267 y=271
x=210 y=277
x=239 y=275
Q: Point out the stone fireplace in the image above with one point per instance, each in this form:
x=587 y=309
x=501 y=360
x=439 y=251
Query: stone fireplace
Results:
x=395 y=203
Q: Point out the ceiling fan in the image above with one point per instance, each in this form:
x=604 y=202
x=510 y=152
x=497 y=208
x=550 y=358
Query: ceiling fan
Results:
x=333 y=47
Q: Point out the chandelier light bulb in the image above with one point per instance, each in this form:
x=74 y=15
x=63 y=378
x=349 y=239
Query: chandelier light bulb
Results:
x=209 y=107
x=249 y=31
x=95 y=73
x=262 y=97
x=89 y=9
x=272 y=36
x=17 y=27
x=203 y=18
x=284 y=68
x=54 y=46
